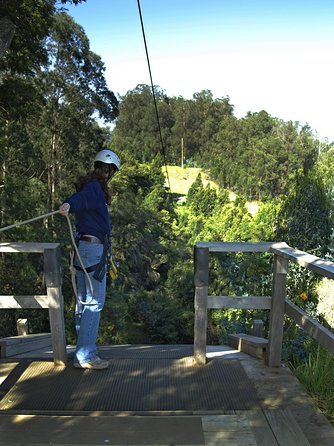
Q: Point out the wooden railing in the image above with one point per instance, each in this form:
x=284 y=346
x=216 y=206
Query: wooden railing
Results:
x=277 y=303
x=53 y=300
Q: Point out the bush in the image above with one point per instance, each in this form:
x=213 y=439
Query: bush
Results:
x=317 y=375
x=325 y=307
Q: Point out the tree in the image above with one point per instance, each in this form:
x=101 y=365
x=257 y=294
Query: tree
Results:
x=21 y=98
x=325 y=167
x=73 y=89
x=260 y=156
x=306 y=206
x=137 y=127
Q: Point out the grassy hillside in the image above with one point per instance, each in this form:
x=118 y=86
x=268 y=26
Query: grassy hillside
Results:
x=181 y=178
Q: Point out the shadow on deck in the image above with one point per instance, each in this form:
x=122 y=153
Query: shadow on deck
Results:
x=156 y=395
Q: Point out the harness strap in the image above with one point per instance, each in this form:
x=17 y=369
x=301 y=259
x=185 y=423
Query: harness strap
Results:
x=89 y=269
x=99 y=268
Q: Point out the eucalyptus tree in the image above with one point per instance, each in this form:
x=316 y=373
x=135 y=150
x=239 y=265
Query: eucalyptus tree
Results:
x=260 y=156
x=306 y=221
x=139 y=122
x=74 y=93
x=28 y=24
x=325 y=167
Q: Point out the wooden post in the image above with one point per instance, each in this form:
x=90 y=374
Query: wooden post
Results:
x=257 y=328
x=22 y=327
x=201 y=279
x=281 y=266
x=52 y=270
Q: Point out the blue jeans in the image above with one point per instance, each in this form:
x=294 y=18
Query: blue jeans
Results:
x=87 y=316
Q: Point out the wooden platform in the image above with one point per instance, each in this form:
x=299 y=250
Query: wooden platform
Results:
x=286 y=414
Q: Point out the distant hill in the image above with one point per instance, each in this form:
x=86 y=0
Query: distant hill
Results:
x=181 y=178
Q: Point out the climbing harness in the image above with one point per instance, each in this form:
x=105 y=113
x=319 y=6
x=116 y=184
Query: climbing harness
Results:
x=106 y=262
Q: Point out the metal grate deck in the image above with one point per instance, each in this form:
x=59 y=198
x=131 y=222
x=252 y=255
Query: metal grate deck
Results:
x=132 y=384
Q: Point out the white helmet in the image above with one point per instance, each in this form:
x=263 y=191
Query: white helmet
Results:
x=108 y=157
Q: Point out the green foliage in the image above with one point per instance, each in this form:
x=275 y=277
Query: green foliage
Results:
x=194 y=121
x=306 y=206
x=258 y=156
x=230 y=274
x=141 y=215
x=180 y=280
x=297 y=345
x=221 y=323
x=266 y=222
x=165 y=320
x=316 y=374
x=325 y=167
x=32 y=24
x=51 y=88
x=325 y=305
x=136 y=127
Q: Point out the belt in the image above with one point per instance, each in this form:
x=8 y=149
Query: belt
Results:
x=90 y=239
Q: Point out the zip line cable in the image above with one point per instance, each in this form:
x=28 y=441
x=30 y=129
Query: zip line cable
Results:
x=153 y=93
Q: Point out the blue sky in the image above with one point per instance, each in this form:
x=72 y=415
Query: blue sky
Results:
x=273 y=55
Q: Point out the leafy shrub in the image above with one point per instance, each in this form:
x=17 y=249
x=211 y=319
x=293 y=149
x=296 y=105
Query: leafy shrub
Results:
x=325 y=307
x=317 y=375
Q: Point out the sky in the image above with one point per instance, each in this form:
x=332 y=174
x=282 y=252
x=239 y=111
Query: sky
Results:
x=272 y=55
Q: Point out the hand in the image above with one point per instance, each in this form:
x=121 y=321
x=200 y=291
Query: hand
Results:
x=64 y=209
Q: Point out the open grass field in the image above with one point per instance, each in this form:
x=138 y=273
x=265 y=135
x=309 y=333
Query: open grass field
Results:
x=181 y=178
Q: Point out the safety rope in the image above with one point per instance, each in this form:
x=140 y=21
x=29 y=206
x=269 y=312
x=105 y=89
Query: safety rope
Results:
x=15 y=225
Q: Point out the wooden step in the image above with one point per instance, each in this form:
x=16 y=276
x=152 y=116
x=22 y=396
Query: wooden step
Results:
x=252 y=428
x=16 y=430
x=14 y=345
x=253 y=345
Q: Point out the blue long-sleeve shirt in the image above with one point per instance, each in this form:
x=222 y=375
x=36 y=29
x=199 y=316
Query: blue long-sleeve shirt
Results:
x=91 y=210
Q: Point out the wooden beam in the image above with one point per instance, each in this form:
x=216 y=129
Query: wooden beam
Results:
x=22 y=327
x=285 y=428
x=15 y=345
x=12 y=302
x=261 y=428
x=311 y=326
x=201 y=280
x=235 y=246
x=27 y=247
x=316 y=264
x=200 y=325
x=241 y=302
x=277 y=311
x=257 y=328
x=57 y=325
x=53 y=281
